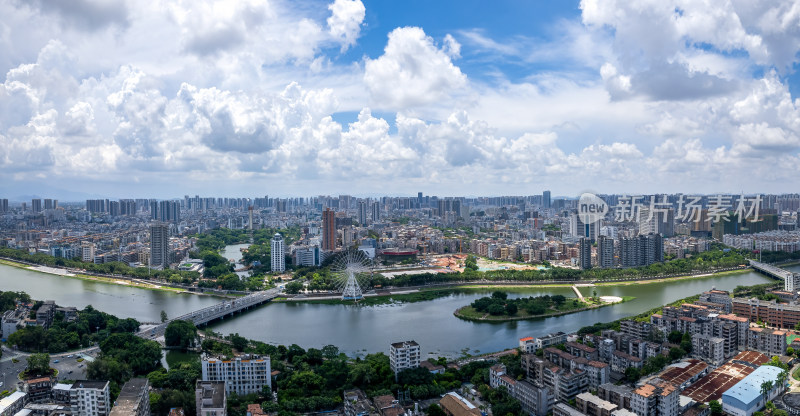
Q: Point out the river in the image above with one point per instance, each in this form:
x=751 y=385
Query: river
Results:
x=357 y=330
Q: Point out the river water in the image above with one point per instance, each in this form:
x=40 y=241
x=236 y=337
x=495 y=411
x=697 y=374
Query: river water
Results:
x=357 y=330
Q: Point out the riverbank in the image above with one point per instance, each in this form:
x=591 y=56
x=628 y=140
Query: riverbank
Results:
x=468 y=313
x=106 y=280
x=376 y=299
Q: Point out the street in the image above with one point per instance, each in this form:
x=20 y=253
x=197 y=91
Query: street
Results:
x=9 y=370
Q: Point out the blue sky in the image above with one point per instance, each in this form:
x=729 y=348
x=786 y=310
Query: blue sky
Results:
x=110 y=97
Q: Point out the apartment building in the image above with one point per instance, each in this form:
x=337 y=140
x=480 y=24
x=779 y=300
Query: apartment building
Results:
x=210 y=398
x=720 y=297
x=403 y=355
x=243 y=375
x=89 y=398
x=592 y=405
x=708 y=348
x=620 y=361
x=768 y=341
x=13 y=403
x=133 y=399
x=656 y=398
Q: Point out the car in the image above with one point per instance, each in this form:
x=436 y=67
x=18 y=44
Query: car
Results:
x=81 y=365
x=70 y=371
x=1 y=384
x=55 y=361
x=70 y=356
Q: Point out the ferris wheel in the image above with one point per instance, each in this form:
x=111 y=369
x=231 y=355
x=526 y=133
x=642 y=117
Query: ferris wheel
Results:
x=352 y=270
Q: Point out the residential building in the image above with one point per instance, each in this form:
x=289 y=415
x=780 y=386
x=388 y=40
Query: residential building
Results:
x=592 y=405
x=721 y=297
x=403 y=355
x=563 y=409
x=362 y=212
x=13 y=320
x=605 y=252
x=278 y=254
x=159 y=245
x=356 y=403
x=656 y=398
x=210 y=398
x=39 y=390
x=242 y=375
x=618 y=395
x=708 y=348
x=766 y=340
x=527 y=345
x=585 y=253
x=535 y=400
x=45 y=314
x=87 y=251
x=89 y=398
x=745 y=397
x=620 y=362
x=328 y=230
x=13 y=403
x=133 y=399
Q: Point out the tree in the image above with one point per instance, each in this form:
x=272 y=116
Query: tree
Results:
x=499 y=295
x=294 y=287
x=434 y=410
x=632 y=373
x=511 y=309
x=180 y=334
x=766 y=387
x=495 y=309
x=330 y=352
x=716 y=408
x=38 y=365
x=163 y=316
x=675 y=337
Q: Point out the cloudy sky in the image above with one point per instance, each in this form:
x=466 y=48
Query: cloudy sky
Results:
x=467 y=97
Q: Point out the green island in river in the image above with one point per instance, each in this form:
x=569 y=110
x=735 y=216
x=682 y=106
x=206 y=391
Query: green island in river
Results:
x=499 y=308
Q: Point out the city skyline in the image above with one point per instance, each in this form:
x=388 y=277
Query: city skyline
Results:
x=343 y=96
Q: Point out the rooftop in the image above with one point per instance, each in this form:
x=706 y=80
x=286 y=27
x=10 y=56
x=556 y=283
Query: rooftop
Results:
x=726 y=376
x=129 y=397
x=90 y=384
x=683 y=371
x=405 y=344
x=748 y=390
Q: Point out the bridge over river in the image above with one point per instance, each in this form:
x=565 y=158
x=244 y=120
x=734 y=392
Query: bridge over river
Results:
x=214 y=312
x=791 y=279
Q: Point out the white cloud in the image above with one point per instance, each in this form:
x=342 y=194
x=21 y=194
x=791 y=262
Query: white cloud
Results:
x=412 y=71
x=345 y=21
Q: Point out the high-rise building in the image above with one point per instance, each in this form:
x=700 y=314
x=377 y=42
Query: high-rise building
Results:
x=643 y=250
x=242 y=375
x=362 y=212
x=278 y=254
x=605 y=252
x=328 y=230
x=403 y=355
x=546 y=203
x=159 y=245
x=585 y=253
x=578 y=228
x=660 y=222
x=48 y=204
x=4 y=205
x=36 y=205
x=375 y=210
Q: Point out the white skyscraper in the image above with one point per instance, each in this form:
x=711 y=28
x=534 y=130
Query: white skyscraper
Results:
x=278 y=254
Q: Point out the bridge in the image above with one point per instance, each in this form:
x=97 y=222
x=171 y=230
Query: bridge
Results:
x=214 y=312
x=772 y=271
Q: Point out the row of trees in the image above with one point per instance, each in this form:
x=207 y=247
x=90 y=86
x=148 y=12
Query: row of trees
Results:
x=105 y=268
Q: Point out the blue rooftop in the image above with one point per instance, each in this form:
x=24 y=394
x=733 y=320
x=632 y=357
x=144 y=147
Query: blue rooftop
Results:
x=748 y=391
